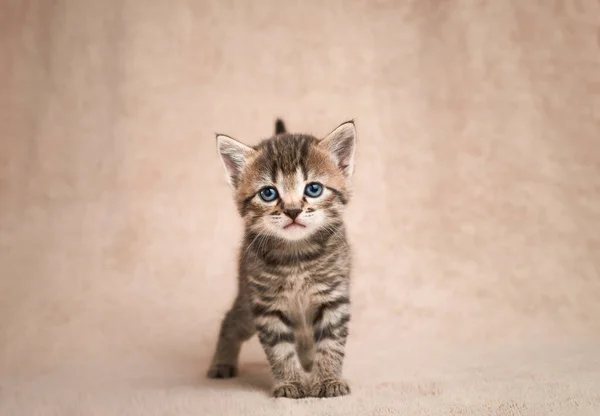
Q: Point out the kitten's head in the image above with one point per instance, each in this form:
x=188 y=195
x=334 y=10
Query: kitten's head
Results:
x=291 y=185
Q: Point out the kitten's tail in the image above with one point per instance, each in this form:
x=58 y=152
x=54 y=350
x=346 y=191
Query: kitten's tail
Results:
x=280 y=127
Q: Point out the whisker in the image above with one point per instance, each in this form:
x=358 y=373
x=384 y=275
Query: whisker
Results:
x=251 y=243
x=337 y=233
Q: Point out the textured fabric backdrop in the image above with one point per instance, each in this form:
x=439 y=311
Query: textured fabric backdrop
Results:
x=475 y=221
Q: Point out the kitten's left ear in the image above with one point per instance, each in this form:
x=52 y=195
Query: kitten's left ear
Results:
x=235 y=156
x=341 y=144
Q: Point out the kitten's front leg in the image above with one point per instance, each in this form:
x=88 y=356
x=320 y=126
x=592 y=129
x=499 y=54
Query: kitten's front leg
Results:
x=276 y=335
x=330 y=332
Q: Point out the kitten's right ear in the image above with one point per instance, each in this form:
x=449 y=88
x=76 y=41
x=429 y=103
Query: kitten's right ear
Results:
x=234 y=156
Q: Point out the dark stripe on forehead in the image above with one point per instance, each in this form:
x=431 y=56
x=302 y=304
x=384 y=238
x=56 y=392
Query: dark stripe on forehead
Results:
x=304 y=156
x=288 y=150
x=285 y=153
x=271 y=160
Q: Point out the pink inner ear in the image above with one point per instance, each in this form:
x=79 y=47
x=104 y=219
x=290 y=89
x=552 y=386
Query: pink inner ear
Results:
x=343 y=154
x=231 y=166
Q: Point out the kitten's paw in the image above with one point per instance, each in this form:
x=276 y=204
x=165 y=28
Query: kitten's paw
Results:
x=291 y=390
x=222 y=371
x=330 y=388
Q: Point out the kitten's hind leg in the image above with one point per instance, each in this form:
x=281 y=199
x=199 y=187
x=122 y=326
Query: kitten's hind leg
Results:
x=236 y=327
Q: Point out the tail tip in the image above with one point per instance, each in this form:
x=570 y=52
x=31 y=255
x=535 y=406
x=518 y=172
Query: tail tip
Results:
x=280 y=126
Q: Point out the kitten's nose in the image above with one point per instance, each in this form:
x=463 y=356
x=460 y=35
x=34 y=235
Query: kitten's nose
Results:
x=292 y=213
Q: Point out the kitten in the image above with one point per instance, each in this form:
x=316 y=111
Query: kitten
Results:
x=294 y=266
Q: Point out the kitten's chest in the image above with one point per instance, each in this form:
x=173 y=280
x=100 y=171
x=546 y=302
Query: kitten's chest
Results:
x=296 y=296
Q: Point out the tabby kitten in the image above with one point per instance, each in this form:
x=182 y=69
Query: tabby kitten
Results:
x=294 y=266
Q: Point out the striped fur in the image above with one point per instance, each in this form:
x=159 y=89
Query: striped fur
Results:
x=294 y=265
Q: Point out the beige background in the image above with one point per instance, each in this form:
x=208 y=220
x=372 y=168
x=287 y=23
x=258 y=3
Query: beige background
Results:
x=475 y=222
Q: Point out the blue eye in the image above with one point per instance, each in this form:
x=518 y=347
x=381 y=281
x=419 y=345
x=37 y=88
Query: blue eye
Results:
x=313 y=190
x=268 y=194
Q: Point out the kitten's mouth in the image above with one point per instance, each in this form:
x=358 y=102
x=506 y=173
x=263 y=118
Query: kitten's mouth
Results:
x=294 y=226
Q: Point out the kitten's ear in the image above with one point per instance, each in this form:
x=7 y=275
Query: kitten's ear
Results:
x=340 y=144
x=234 y=155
